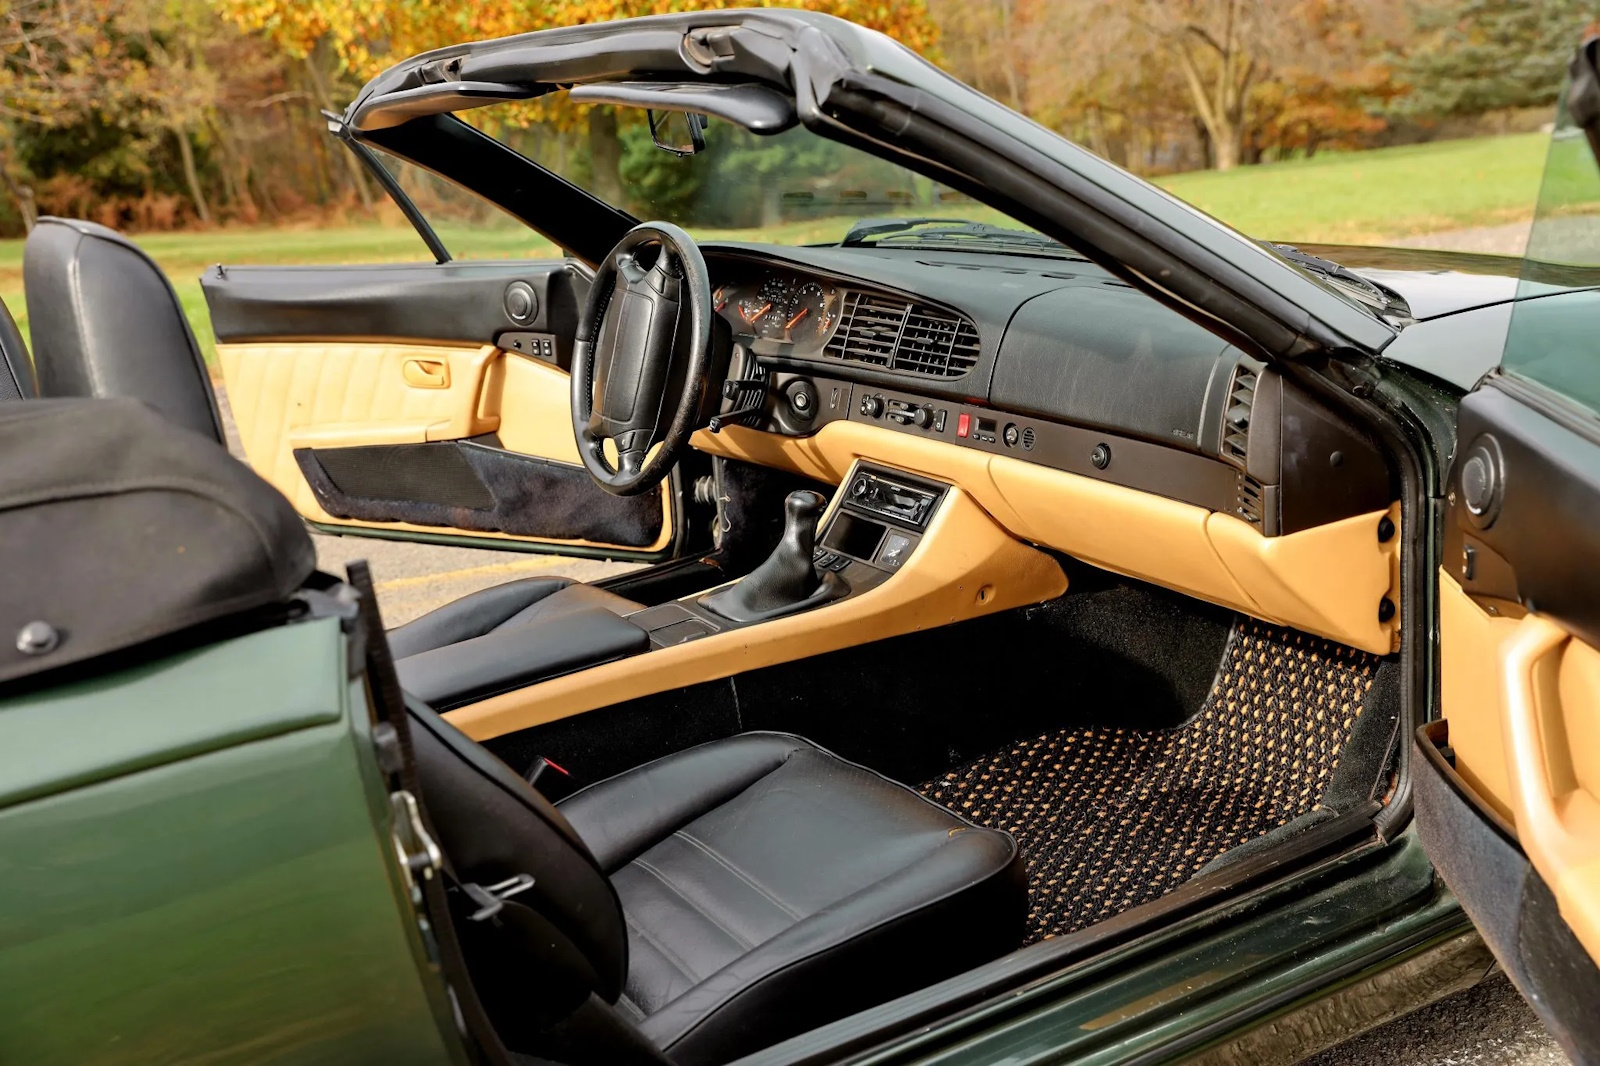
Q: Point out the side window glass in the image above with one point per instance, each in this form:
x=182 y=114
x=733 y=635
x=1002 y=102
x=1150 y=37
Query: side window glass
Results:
x=1554 y=338
x=470 y=226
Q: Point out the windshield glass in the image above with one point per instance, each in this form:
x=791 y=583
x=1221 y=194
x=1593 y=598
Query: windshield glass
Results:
x=790 y=188
x=1551 y=338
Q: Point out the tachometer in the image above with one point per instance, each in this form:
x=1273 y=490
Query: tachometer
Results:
x=813 y=310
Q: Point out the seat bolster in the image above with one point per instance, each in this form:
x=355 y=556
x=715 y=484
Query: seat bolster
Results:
x=622 y=817
x=513 y=656
x=961 y=905
x=472 y=615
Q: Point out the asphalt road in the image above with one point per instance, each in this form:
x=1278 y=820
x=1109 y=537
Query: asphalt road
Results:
x=1487 y=1025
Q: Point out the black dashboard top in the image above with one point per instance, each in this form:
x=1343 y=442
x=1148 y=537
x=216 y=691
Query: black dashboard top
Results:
x=1053 y=337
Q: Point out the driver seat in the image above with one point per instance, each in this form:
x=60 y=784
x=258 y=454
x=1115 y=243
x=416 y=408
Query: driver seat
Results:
x=107 y=323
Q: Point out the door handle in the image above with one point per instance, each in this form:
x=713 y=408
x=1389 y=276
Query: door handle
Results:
x=426 y=373
x=1558 y=826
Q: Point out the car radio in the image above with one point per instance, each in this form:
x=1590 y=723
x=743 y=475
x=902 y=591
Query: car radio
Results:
x=891 y=498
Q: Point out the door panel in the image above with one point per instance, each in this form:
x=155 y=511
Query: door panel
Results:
x=1508 y=782
x=388 y=399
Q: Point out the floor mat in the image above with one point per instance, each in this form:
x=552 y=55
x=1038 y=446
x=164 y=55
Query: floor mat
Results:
x=1110 y=818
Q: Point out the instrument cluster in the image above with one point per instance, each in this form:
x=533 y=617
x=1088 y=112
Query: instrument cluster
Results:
x=781 y=312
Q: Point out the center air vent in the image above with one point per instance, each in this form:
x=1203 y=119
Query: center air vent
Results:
x=901 y=335
x=1236 y=422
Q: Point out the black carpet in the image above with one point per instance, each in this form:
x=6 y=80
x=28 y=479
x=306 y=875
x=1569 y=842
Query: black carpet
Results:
x=1109 y=818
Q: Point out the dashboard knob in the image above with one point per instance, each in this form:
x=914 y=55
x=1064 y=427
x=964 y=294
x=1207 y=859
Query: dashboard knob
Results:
x=859 y=488
x=872 y=406
x=922 y=417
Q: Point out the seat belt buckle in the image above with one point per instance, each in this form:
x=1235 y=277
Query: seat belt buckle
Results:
x=537 y=771
x=492 y=900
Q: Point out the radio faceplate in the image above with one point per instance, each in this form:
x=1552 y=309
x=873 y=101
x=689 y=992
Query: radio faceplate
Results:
x=891 y=497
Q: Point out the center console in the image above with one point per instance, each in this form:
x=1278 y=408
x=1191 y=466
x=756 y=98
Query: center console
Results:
x=877 y=519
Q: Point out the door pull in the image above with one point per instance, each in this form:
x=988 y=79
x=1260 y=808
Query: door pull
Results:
x=427 y=373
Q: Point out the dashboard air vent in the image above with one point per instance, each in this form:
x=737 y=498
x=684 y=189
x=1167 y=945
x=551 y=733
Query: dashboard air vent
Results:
x=1236 y=421
x=902 y=335
x=1249 y=504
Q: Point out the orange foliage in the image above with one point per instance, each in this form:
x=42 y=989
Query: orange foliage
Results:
x=370 y=35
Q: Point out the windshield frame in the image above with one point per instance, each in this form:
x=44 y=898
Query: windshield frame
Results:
x=858 y=87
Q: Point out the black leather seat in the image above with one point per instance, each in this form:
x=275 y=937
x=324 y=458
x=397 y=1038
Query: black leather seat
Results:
x=16 y=369
x=712 y=902
x=106 y=322
x=512 y=635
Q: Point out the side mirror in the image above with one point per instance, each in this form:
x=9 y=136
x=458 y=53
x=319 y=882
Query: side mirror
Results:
x=1583 y=92
x=679 y=132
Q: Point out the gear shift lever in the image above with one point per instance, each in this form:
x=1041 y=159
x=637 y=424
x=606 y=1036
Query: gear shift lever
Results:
x=788 y=579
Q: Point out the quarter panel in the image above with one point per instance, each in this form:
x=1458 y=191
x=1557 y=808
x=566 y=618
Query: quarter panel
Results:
x=236 y=905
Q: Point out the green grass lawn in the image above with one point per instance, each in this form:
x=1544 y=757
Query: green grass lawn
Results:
x=1357 y=197
x=1376 y=196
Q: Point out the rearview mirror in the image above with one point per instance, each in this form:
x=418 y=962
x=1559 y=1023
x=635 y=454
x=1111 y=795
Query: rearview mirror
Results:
x=1583 y=93
x=679 y=132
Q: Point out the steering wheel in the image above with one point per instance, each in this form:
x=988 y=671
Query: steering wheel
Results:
x=645 y=336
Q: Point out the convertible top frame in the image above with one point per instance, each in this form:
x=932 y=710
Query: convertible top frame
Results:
x=858 y=87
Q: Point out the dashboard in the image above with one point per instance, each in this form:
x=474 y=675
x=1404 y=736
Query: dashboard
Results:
x=1052 y=360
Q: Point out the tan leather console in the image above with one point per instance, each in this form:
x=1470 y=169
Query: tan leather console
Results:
x=1328 y=580
x=965 y=566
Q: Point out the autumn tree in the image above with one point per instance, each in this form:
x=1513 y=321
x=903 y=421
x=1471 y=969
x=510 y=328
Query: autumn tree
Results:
x=55 y=64
x=362 y=37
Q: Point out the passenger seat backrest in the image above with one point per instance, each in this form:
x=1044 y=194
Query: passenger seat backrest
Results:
x=106 y=322
x=16 y=369
x=557 y=943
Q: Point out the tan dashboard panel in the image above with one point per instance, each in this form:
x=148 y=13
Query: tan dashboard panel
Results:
x=965 y=566
x=1135 y=533
x=1328 y=580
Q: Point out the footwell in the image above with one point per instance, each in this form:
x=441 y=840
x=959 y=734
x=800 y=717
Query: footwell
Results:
x=1110 y=818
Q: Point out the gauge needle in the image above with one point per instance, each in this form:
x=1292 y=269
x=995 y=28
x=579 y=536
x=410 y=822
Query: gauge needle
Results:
x=752 y=316
x=804 y=311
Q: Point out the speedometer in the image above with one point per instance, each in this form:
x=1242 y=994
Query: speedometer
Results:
x=813 y=310
x=775 y=294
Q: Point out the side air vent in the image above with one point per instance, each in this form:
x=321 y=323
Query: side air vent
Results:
x=1236 y=422
x=902 y=335
x=1249 y=506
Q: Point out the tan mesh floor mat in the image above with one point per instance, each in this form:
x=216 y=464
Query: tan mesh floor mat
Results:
x=1110 y=818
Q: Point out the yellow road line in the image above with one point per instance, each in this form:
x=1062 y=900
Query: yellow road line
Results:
x=520 y=566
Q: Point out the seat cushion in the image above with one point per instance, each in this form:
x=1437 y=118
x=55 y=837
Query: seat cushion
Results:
x=515 y=603
x=770 y=886
x=510 y=636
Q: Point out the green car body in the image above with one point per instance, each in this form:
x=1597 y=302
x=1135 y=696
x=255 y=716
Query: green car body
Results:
x=207 y=873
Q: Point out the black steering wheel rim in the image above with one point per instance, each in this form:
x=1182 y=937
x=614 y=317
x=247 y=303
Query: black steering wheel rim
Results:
x=637 y=321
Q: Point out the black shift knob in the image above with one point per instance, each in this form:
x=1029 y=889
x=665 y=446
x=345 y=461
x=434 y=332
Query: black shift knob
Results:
x=801 y=510
x=788 y=578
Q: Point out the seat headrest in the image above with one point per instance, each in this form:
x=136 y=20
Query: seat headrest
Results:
x=106 y=322
x=16 y=369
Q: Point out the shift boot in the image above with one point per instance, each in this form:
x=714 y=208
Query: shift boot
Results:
x=788 y=579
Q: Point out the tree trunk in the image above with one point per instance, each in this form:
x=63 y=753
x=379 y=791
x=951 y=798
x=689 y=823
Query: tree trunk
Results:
x=319 y=85
x=605 y=154
x=1225 y=142
x=191 y=175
